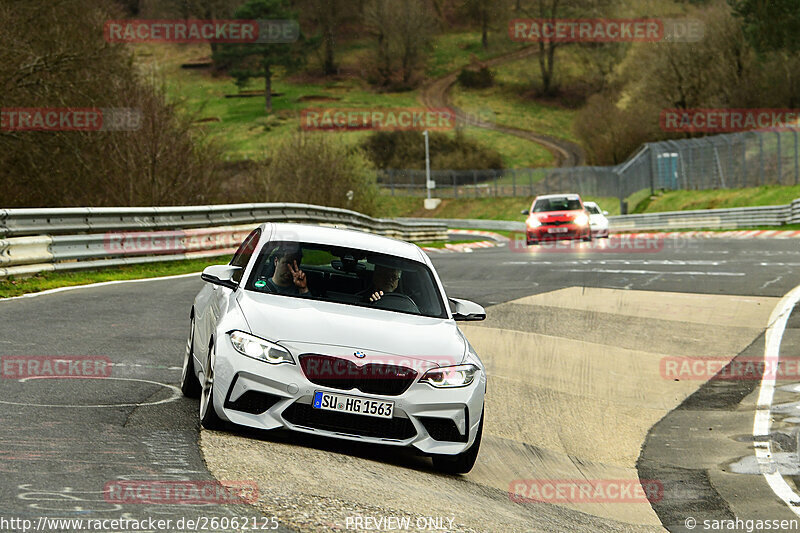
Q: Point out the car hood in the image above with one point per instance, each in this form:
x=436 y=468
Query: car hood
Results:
x=313 y=326
x=549 y=216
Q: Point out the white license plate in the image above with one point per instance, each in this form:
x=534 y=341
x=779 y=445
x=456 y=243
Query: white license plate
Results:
x=557 y=230
x=352 y=404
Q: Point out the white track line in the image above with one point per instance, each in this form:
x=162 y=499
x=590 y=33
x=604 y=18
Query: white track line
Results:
x=100 y=284
x=761 y=423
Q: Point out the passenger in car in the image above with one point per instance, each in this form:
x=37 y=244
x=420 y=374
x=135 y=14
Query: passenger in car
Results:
x=384 y=280
x=288 y=278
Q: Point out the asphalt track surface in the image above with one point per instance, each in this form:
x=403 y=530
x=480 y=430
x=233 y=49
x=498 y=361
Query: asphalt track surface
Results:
x=64 y=440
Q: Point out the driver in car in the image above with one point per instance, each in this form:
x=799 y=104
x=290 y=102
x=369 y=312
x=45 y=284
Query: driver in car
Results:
x=384 y=280
x=288 y=279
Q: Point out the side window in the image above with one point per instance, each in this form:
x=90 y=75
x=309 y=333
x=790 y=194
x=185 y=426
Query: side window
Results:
x=244 y=253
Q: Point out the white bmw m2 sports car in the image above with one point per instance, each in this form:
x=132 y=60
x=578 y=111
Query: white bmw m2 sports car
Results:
x=337 y=333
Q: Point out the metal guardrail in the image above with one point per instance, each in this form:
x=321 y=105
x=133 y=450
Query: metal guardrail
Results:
x=732 y=218
x=36 y=240
x=467 y=223
x=728 y=161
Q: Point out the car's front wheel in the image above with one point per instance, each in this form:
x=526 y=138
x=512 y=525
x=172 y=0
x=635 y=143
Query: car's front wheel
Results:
x=462 y=462
x=190 y=385
x=208 y=414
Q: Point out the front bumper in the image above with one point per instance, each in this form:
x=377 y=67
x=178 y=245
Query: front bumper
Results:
x=259 y=395
x=541 y=233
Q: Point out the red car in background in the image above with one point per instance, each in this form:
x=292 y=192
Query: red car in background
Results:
x=556 y=217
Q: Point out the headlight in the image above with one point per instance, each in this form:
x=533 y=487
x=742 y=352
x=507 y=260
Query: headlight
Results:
x=581 y=220
x=260 y=349
x=533 y=222
x=450 y=376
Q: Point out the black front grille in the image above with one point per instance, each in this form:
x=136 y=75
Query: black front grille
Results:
x=442 y=429
x=557 y=223
x=253 y=402
x=372 y=378
x=301 y=414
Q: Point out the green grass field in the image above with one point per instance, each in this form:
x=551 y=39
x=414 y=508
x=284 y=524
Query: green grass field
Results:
x=247 y=131
x=50 y=280
x=511 y=104
x=718 y=199
x=481 y=208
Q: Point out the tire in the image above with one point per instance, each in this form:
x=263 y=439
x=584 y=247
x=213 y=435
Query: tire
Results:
x=588 y=238
x=463 y=462
x=190 y=385
x=209 y=418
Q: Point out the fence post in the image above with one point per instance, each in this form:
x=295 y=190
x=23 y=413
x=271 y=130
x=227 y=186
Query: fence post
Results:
x=780 y=163
x=762 y=179
x=796 y=167
x=530 y=179
x=514 y=183
x=745 y=181
x=495 y=183
x=455 y=184
x=391 y=181
x=475 y=182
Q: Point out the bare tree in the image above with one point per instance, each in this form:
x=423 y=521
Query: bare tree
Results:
x=52 y=55
x=329 y=18
x=552 y=10
x=403 y=30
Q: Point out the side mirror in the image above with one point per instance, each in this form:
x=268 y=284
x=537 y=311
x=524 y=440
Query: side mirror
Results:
x=605 y=212
x=525 y=212
x=221 y=275
x=466 y=310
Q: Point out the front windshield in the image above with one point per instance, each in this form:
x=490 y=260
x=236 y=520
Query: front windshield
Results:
x=593 y=209
x=346 y=276
x=556 y=204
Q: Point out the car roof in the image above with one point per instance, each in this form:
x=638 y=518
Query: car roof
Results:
x=570 y=196
x=348 y=238
x=591 y=203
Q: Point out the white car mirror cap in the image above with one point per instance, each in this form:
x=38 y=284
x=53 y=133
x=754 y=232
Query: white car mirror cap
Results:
x=221 y=275
x=466 y=310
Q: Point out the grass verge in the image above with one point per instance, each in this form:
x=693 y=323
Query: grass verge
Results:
x=51 y=280
x=485 y=208
x=718 y=199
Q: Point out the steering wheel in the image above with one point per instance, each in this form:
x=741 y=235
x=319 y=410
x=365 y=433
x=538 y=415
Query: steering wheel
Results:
x=395 y=301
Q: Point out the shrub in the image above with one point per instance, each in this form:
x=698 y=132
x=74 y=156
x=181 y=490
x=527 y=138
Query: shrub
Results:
x=476 y=79
x=318 y=169
x=406 y=149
